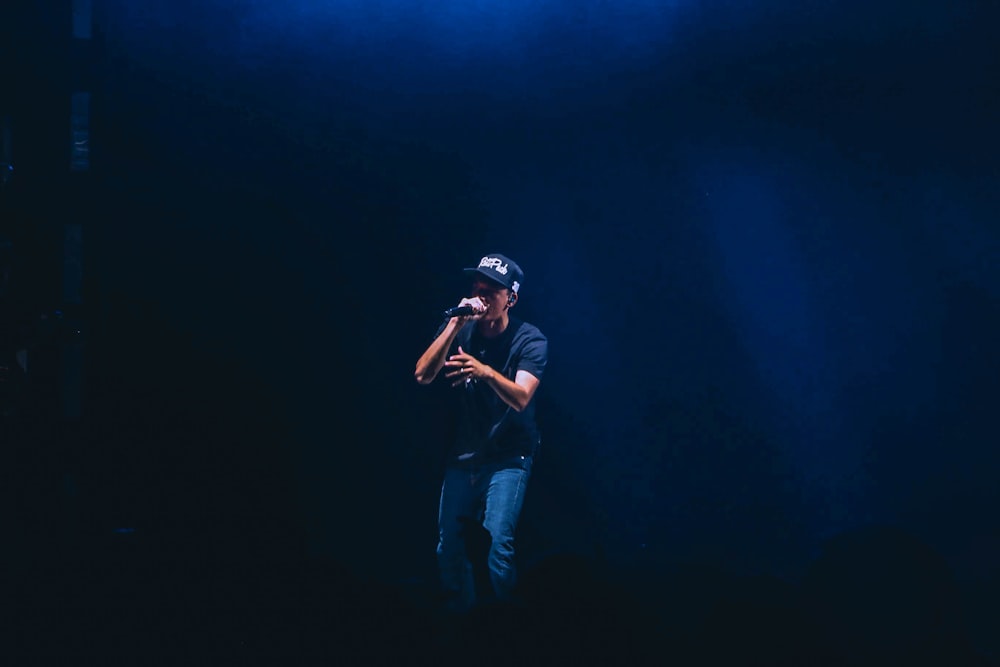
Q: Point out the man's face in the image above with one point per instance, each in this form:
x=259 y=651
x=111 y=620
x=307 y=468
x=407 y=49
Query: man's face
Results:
x=494 y=294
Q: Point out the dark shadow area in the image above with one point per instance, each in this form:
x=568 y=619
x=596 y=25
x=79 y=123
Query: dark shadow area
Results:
x=875 y=597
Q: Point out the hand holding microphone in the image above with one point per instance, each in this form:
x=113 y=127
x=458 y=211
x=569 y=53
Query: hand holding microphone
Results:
x=467 y=307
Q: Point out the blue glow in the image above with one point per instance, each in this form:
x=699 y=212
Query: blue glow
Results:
x=766 y=285
x=423 y=39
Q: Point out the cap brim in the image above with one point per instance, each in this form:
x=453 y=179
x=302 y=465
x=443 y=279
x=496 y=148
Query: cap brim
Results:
x=488 y=276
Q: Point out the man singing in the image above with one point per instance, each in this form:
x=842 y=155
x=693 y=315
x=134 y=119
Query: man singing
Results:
x=494 y=363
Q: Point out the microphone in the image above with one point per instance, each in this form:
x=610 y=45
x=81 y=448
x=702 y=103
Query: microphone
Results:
x=460 y=311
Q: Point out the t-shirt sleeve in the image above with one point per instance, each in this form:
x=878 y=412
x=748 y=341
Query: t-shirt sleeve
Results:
x=534 y=356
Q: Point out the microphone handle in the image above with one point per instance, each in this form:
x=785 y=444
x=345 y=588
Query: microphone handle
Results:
x=459 y=311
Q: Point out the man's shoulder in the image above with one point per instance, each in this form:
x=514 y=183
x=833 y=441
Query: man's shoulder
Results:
x=527 y=330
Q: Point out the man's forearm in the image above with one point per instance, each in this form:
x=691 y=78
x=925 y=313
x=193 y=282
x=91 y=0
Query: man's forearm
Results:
x=432 y=360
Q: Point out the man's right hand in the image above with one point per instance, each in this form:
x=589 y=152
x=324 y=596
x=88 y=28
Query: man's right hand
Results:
x=477 y=304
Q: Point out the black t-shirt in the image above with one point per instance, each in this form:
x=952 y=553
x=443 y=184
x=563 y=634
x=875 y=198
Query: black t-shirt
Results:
x=488 y=429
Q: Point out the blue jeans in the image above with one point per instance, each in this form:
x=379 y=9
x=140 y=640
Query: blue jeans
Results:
x=492 y=495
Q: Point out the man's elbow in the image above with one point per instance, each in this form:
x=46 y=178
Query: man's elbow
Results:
x=520 y=404
x=424 y=374
x=521 y=400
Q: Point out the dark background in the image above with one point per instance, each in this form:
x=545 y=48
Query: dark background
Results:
x=762 y=239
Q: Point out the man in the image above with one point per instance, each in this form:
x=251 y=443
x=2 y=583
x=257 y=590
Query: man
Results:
x=494 y=364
